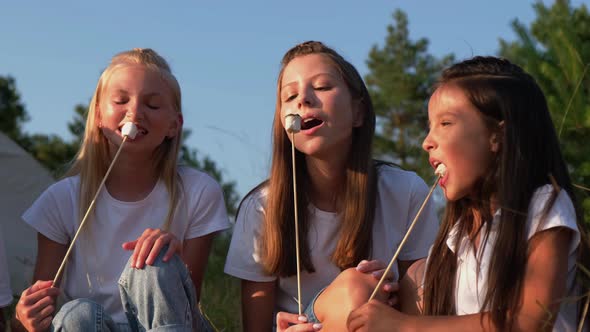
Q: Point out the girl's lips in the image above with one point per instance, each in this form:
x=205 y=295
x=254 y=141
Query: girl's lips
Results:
x=312 y=130
x=443 y=180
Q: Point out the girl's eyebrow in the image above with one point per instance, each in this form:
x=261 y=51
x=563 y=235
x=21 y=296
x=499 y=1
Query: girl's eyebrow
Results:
x=442 y=114
x=150 y=94
x=311 y=78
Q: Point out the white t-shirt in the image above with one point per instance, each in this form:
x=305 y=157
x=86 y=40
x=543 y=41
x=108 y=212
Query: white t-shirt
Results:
x=399 y=196
x=97 y=259
x=471 y=286
x=5 y=290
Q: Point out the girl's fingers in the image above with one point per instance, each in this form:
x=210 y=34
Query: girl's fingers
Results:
x=371 y=266
x=30 y=300
x=284 y=319
x=46 y=312
x=307 y=327
x=147 y=247
x=154 y=251
x=38 y=285
x=172 y=248
x=144 y=251
x=37 y=308
x=45 y=323
x=391 y=287
x=129 y=245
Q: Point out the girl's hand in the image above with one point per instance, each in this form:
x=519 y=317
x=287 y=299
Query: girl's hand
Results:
x=287 y=322
x=147 y=247
x=36 y=306
x=376 y=316
x=377 y=268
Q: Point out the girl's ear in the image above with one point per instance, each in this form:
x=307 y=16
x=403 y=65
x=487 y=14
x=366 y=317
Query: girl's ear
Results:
x=97 y=119
x=175 y=126
x=496 y=138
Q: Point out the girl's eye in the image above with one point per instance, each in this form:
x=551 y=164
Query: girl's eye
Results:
x=153 y=107
x=445 y=123
x=323 y=88
x=291 y=97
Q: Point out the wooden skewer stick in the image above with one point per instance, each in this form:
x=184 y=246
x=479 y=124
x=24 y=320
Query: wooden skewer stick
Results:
x=296 y=222
x=405 y=238
x=63 y=262
x=293 y=125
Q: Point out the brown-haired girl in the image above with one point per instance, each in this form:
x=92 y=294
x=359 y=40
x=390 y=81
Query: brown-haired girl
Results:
x=350 y=207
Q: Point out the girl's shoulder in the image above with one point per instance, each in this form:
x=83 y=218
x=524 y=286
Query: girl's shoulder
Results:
x=255 y=198
x=548 y=209
x=64 y=187
x=196 y=180
x=393 y=177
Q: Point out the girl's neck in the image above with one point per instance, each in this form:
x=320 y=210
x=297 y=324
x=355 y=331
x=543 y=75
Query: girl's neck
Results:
x=327 y=178
x=132 y=179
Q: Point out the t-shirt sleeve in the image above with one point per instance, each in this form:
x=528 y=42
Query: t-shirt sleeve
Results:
x=561 y=214
x=243 y=259
x=208 y=213
x=51 y=214
x=426 y=227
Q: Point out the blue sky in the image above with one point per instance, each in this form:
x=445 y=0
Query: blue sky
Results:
x=225 y=55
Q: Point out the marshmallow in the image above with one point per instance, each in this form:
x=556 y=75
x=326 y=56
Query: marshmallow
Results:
x=129 y=129
x=293 y=123
x=441 y=169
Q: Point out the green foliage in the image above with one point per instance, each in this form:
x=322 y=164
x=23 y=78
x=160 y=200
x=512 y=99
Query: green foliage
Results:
x=221 y=293
x=400 y=80
x=190 y=157
x=12 y=111
x=555 y=50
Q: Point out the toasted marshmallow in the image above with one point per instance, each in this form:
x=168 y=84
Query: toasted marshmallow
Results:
x=293 y=123
x=441 y=169
x=129 y=129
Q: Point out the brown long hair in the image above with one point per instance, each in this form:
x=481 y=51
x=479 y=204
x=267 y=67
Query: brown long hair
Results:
x=529 y=152
x=93 y=159
x=357 y=195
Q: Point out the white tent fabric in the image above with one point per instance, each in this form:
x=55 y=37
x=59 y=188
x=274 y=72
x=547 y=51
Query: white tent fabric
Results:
x=22 y=179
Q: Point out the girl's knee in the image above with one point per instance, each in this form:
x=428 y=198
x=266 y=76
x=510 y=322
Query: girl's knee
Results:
x=78 y=315
x=355 y=285
x=160 y=271
x=348 y=291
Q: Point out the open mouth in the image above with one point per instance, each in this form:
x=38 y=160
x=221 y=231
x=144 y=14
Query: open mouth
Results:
x=310 y=123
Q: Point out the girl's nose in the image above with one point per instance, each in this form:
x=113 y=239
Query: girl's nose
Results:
x=133 y=113
x=305 y=99
x=428 y=143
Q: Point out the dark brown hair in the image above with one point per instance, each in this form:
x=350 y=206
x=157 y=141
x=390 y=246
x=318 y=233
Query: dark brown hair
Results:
x=529 y=152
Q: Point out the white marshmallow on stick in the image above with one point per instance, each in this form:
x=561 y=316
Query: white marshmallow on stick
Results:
x=293 y=123
x=129 y=129
x=441 y=170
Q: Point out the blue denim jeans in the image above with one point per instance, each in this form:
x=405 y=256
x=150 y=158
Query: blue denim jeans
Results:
x=160 y=297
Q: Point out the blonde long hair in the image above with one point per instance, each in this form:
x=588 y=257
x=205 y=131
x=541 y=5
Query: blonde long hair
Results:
x=93 y=158
x=357 y=196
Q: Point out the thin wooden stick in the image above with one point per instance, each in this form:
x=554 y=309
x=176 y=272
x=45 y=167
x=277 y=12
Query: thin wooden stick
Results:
x=296 y=223
x=584 y=313
x=405 y=238
x=580 y=187
x=63 y=262
x=556 y=186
